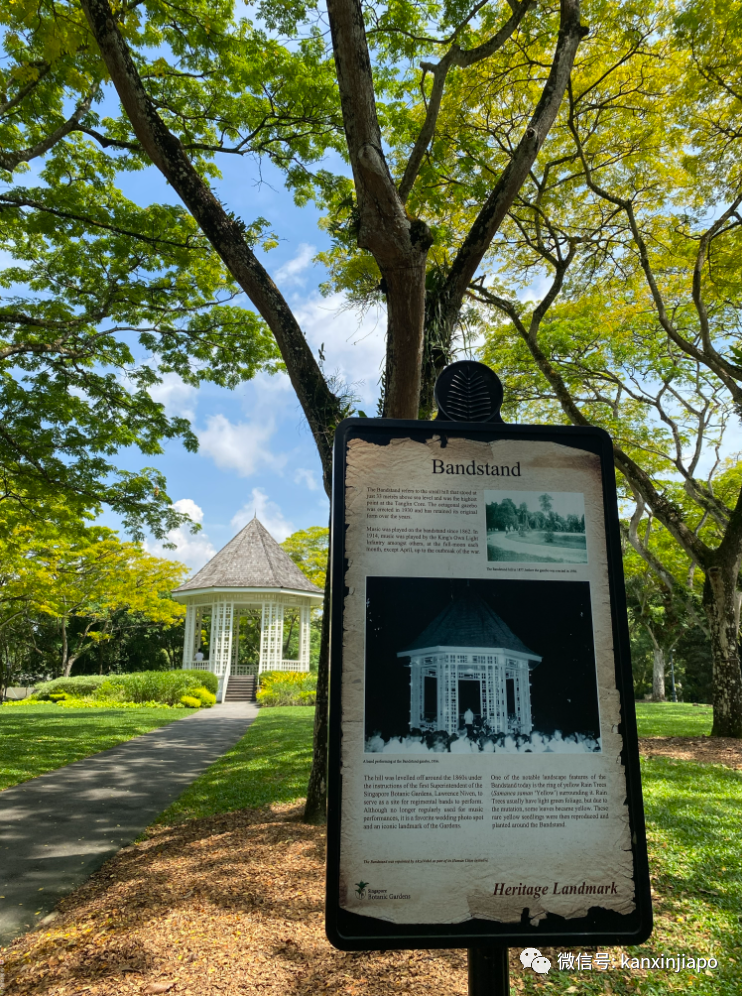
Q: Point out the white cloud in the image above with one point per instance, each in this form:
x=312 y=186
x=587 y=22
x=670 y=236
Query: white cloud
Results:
x=193 y=549
x=307 y=478
x=354 y=346
x=188 y=507
x=240 y=446
x=269 y=514
x=178 y=398
x=292 y=272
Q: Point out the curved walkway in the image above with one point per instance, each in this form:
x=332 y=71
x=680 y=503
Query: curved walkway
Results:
x=57 y=829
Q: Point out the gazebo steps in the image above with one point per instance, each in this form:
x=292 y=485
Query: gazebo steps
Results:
x=241 y=689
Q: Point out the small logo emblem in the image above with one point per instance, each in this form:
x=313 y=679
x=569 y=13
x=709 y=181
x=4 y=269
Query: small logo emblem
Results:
x=361 y=889
x=532 y=958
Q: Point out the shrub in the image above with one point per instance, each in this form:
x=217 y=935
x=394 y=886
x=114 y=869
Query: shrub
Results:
x=204 y=696
x=191 y=702
x=80 y=685
x=204 y=679
x=287 y=688
x=159 y=687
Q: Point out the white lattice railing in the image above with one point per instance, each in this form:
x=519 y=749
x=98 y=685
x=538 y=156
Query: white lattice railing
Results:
x=288 y=666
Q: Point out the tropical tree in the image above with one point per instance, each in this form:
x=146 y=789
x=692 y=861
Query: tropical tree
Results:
x=196 y=83
x=92 y=577
x=309 y=549
x=630 y=222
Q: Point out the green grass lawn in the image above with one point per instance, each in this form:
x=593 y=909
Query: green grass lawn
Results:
x=673 y=719
x=693 y=831
x=35 y=739
x=269 y=764
x=693 y=823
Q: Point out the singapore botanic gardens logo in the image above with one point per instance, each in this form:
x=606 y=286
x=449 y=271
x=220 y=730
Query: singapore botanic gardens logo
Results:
x=361 y=889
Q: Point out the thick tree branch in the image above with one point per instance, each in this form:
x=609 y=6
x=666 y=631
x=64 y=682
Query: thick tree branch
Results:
x=321 y=407
x=399 y=244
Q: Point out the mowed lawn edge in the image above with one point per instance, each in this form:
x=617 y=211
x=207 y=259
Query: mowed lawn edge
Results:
x=37 y=739
x=673 y=719
x=270 y=764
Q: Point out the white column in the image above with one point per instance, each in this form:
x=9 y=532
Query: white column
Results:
x=304 y=637
x=525 y=691
x=221 y=638
x=188 y=636
x=235 y=648
x=271 y=637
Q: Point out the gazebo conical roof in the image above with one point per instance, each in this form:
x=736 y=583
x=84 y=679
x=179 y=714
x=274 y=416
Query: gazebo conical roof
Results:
x=251 y=559
x=469 y=622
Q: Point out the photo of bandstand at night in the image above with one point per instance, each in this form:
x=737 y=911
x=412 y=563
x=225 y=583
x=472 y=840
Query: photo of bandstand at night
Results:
x=467 y=668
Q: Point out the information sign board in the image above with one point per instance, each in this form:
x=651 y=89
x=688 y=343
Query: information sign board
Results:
x=484 y=776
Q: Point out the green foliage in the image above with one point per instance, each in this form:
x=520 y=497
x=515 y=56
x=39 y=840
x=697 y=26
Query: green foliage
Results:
x=204 y=696
x=309 y=549
x=205 y=678
x=164 y=687
x=39 y=737
x=77 y=685
x=190 y=701
x=159 y=686
x=270 y=764
x=287 y=688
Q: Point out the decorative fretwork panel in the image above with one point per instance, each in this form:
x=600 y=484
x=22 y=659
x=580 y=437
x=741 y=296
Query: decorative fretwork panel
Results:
x=221 y=637
x=271 y=637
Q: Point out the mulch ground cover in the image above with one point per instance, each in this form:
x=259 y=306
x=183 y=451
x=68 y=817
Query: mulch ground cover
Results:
x=229 y=904
x=233 y=904
x=702 y=750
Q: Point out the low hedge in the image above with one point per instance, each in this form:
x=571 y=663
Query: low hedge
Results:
x=79 y=686
x=287 y=688
x=166 y=687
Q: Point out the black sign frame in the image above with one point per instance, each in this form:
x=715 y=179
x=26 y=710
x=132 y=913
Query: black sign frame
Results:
x=352 y=932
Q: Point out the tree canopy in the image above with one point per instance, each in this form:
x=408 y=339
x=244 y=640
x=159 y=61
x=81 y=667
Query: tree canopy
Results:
x=629 y=224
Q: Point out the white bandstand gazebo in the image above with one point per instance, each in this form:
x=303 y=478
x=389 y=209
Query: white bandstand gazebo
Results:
x=250 y=582
x=468 y=660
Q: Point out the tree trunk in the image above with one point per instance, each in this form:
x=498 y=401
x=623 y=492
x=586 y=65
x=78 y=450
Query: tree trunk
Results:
x=658 y=673
x=66 y=662
x=315 y=810
x=721 y=600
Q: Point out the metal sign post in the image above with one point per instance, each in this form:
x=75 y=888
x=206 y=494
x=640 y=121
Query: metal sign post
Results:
x=483 y=785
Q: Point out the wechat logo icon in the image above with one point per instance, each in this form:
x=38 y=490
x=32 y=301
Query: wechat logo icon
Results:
x=532 y=958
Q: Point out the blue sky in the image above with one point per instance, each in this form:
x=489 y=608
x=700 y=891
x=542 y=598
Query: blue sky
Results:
x=256 y=452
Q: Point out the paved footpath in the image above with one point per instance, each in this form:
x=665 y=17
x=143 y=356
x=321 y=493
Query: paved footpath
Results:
x=57 y=829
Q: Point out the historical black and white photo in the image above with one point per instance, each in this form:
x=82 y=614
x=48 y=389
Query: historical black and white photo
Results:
x=541 y=527
x=470 y=666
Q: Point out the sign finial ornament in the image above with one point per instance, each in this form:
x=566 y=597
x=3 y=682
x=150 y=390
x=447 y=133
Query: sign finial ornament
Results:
x=467 y=391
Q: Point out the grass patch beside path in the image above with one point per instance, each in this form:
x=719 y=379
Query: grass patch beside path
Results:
x=693 y=834
x=270 y=764
x=40 y=738
x=673 y=719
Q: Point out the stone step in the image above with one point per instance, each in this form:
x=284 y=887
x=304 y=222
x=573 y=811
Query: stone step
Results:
x=241 y=689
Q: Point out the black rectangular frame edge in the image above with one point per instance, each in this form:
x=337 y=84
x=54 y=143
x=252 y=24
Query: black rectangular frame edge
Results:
x=346 y=930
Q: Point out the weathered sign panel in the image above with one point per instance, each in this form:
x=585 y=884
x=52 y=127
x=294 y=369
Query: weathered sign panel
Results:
x=484 y=778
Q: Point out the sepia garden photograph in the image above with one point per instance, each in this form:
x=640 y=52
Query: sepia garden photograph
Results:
x=541 y=527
